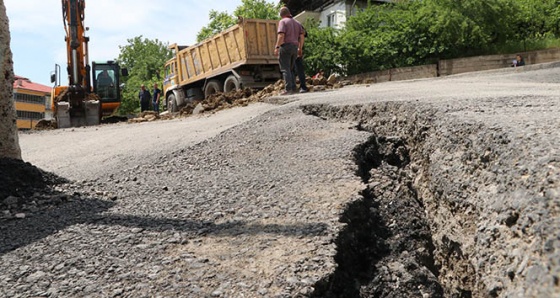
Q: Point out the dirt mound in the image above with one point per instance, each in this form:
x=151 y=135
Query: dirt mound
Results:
x=21 y=183
x=114 y=119
x=220 y=101
x=44 y=124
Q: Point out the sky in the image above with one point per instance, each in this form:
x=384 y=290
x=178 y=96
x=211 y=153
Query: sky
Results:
x=37 y=30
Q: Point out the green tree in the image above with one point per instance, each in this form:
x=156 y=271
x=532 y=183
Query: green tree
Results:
x=257 y=9
x=535 y=19
x=249 y=9
x=145 y=60
x=219 y=21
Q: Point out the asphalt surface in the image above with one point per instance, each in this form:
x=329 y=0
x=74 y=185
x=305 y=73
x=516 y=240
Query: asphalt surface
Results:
x=456 y=178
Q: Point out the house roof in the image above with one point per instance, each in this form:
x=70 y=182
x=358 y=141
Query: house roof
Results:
x=25 y=83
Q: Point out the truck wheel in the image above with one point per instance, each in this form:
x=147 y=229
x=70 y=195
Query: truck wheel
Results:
x=171 y=103
x=212 y=87
x=231 y=84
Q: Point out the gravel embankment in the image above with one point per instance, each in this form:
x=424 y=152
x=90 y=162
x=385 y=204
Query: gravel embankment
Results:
x=431 y=188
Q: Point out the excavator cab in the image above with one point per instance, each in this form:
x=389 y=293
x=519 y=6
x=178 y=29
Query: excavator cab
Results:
x=101 y=100
x=106 y=84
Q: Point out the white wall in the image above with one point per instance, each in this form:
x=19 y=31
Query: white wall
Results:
x=339 y=11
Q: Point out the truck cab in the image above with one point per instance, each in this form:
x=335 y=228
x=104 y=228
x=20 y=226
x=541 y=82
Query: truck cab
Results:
x=170 y=80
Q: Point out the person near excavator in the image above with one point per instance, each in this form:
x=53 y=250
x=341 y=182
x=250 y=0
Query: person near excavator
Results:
x=145 y=97
x=156 y=94
x=104 y=84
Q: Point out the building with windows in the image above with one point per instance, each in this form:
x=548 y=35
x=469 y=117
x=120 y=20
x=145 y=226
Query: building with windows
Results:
x=330 y=13
x=33 y=102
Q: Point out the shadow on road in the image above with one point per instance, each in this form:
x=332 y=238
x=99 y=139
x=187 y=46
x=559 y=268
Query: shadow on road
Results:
x=22 y=232
x=232 y=228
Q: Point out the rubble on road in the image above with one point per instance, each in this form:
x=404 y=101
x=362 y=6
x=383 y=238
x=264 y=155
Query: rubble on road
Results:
x=44 y=124
x=237 y=98
x=146 y=116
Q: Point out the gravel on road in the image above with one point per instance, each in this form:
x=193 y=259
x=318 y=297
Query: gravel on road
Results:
x=446 y=187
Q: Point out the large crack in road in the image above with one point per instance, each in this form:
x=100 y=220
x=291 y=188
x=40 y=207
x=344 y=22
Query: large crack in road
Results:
x=417 y=230
x=386 y=249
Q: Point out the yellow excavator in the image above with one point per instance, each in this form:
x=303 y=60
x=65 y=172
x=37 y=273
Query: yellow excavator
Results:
x=85 y=100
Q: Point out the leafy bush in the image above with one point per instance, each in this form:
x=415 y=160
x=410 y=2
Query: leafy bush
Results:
x=409 y=32
x=322 y=49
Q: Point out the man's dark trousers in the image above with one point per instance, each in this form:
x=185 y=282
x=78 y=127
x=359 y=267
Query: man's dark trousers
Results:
x=300 y=73
x=287 y=57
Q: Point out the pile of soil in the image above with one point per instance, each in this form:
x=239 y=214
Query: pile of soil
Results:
x=23 y=185
x=220 y=101
x=44 y=124
x=114 y=119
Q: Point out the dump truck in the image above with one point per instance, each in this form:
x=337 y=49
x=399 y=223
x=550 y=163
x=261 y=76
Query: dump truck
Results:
x=240 y=57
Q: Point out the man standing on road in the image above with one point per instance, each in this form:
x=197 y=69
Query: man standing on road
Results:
x=155 y=99
x=289 y=45
x=300 y=71
x=144 y=96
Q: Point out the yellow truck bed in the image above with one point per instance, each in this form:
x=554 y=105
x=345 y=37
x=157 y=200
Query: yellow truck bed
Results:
x=251 y=41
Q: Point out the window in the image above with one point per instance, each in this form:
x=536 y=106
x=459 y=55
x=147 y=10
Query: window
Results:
x=26 y=115
x=105 y=77
x=106 y=84
x=331 y=20
x=28 y=98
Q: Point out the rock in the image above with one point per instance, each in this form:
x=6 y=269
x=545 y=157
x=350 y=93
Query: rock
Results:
x=332 y=79
x=10 y=201
x=117 y=292
x=319 y=88
x=198 y=109
x=150 y=117
x=35 y=277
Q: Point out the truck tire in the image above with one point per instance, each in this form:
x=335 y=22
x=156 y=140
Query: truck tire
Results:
x=172 y=103
x=213 y=86
x=231 y=84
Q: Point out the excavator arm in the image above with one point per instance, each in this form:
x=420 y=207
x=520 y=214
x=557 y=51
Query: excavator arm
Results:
x=73 y=13
x=75 y=104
